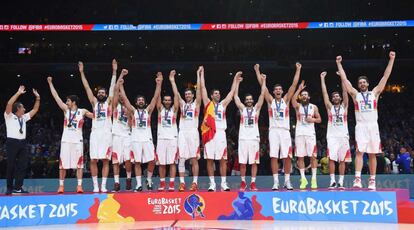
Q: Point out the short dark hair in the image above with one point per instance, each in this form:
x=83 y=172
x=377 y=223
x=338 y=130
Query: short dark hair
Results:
x=189 y=89
x=102 y=88
x=213 y=90
x=246 y=95
x=335 y=92
x=16 y=106
x=139 y=96
x=277 y=85
x=363 y=78
x=73 y=98
x=166 y=95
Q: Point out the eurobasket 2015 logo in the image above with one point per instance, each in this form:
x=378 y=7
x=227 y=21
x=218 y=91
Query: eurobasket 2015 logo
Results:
x=194 y=205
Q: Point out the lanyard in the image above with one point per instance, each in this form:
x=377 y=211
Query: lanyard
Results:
x=216 y=108
x=20 y=124
x=141 y=116
x=278 y=105
x=365 y=98
x=306 y=110
x=166 y=113
x=249 y=113
x=99 y=111
x=71 y=118
x=337 y=111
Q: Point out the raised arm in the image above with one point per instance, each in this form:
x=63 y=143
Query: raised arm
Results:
x=262 y=93
x=177 y=98
x=289 y=94
x=294 y=101
x=120 y=84
x=267 y=94
x=226 y=101
x=381 y=85
x=156 y=99
x=351 y=90
x=325 y=95
x=345 y=99
x=85 y=83
x=55 y=95
x=113 y=81
x=198 y=90
x=237 y=100
x=117 y=89
x=36 y=106
x=13 y=99
x=204 y=93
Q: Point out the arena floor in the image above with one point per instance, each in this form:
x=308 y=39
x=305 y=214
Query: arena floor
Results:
x=231 y=225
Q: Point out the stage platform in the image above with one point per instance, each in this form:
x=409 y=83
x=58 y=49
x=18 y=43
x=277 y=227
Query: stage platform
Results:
x=381 y=206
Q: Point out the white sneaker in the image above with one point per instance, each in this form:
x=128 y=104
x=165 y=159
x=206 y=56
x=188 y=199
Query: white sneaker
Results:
x=288 y=185
x=95 y=189
x=275 y=186
x=371 y=184
x=103 y=189
x=224 y=187
x=212 y=187
x=357 y=182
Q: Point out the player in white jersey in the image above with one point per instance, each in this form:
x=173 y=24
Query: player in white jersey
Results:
x=280 y=142
x=142 y=146
x=216 y=148
x=121 y=139
x=188 y=136
x=100 y=144
x=367 y=135
x=167 y=137
x=249 y=137
x=71 y=148
x=307 y=115
x=337 y=134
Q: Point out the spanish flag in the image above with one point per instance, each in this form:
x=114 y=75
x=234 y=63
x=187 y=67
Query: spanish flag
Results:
x=208 y=127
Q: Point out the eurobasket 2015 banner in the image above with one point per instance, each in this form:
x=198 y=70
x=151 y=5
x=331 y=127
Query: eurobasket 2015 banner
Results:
x=361 y=206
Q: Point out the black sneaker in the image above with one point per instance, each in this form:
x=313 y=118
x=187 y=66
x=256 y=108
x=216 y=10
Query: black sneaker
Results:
x=19 y=191
x=332 y=186
x=149 y=185
x=341 y=186
x=117 y=187
x=9 y=191
x=138 y=189
x=128 y=186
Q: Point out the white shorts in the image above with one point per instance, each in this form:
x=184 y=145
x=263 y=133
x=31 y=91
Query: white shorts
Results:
x=167 y=152
x=121 y=149
x=249 y=152
x=280 y=142
x=305 y=146
x=100 y=145
x=71 y=155
x=142 y=152
x=216 y=149
x=189 y=144
x=338 y=149
x=367 y=138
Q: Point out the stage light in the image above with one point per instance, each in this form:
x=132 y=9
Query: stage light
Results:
x=71 y=75
x=11 y=38
x=18 y=75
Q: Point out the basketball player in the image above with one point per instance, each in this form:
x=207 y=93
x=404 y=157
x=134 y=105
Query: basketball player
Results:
x=307 y=115
x=71 y=147
x=101 y=134
x=142 y=146
x=249 y=137
x=280 y=142
x=337 y=135
x=167 y=134
x=366 y=115
x=121 y=138
x=216 y=148
x=188 y=137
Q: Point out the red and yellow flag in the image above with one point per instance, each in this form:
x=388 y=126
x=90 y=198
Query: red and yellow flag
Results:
x=208 y=127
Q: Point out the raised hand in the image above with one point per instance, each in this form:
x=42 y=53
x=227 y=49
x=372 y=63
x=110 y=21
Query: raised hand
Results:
x=36 y=93
x=323 y=74
x=392 y=55
x=21 y=90
x=199 y=70
x=256 y=67
x=172 y=75
x=263 y=76
x=302 y=85
x=298 y=65
x=49 y=79
x=114 y=65
x=159 y=78
x=338 y=59
x=124 y=72
x=81 y=67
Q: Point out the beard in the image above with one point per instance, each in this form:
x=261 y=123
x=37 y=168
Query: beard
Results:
x=101 y=98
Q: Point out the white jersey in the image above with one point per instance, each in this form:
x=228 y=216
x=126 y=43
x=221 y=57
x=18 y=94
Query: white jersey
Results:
x=189 y=116
x=167 y=124
x=337 y=122
x=120 y=124
x=102 y=116
x=72 y=126
x=304 y=128
x=279 y=115
x=220 y=116
x=141 y=126
x=249 y=128
x=366 y=108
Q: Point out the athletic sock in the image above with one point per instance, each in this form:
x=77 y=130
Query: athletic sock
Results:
x=302 y=173
x=116 y=178
x=313 y=173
